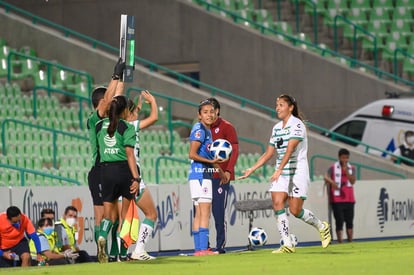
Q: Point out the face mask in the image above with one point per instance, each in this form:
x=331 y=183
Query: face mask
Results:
x=410 y=139
x=48 y=230
x=16 y=225
x=71 y=221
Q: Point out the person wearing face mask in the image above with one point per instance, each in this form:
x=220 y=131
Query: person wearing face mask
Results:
x=49 y=251
x=340 y=178
x=67 y=235
x=13 y=243
x=406 y=149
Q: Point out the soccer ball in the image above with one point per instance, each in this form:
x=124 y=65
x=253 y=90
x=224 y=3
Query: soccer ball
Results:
x=293 y=239
x=257 y=236
x=221 y=149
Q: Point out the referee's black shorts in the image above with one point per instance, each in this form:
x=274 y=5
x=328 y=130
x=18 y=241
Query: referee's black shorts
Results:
x=116 y=180
x=95 y=187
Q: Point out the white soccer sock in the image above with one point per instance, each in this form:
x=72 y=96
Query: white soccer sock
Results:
x=283 y=226
x=311 y=219
x=145 y=232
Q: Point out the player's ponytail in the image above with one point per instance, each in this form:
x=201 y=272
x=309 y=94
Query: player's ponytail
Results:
x=292 y=101
x=117 y=107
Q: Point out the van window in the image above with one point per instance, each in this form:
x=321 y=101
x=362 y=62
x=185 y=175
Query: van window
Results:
x=353 y=129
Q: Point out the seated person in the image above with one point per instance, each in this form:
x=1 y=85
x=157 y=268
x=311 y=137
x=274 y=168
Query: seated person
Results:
x=67 y=235
x=49 y=251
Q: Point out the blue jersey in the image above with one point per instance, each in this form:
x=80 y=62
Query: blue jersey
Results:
x=201 y=170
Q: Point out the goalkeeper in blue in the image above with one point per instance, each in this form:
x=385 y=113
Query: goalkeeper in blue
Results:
x=290 y=181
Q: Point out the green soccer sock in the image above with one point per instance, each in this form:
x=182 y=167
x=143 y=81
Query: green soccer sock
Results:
x=105 y=228
x=114 y=244
x=96 y=232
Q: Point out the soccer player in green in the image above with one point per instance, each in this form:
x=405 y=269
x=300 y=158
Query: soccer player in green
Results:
x=116 y=139
x=290 y=181
x=101 y=98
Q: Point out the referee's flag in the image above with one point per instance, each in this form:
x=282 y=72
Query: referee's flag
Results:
x=130 y=225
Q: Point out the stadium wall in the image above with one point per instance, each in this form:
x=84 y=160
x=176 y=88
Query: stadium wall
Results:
x=229 y=56
x=384 y=209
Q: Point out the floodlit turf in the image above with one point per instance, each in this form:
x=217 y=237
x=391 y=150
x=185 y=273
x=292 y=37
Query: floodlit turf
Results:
x=374 y=257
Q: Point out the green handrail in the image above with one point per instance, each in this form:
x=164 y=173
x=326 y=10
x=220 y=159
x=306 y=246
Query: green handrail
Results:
x=356 y=28
x=336 y=136
x=315 y=18
x=54 y=132
x=356 y=164
x=80 y=99
x=30 y=171
x=49 y=66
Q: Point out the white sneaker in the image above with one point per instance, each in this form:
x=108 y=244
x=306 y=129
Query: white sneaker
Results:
x=142 y=256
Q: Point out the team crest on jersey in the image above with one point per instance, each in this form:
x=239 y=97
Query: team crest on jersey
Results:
x=197 y=134
x=216 y=130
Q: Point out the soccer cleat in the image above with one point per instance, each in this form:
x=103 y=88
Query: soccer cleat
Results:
x=284 y=249
x=205 y=253
x=102 y=257
x=325 y=235
x=143 y=256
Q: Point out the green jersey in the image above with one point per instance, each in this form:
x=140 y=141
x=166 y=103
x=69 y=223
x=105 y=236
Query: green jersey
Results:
x=92 y=120
x=112 y=149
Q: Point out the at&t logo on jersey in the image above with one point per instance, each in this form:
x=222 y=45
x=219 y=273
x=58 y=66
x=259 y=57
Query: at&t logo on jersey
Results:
x=110 y=142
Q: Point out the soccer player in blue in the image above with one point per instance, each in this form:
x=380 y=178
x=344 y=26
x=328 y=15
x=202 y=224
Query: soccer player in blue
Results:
x=200 y=176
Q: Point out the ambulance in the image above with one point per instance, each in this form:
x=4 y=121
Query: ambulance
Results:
x=380 y=124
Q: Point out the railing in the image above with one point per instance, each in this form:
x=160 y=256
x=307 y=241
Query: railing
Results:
x=357 y=165
x=356 y=28
x=22 y=171
x=54 y=132
x=49 y=68
x=81 y=99
x=395 y=60
x=367 y=148
x=315 y=18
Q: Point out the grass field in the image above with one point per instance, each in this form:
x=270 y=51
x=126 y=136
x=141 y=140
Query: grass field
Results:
x=373 y=257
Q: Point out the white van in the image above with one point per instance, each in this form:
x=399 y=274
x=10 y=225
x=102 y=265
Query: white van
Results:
x=380 y=124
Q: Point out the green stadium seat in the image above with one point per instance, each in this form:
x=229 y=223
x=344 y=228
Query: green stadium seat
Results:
x=389 y=48
x=329 y=18
x=387 y=5
x=408 y=66
x=399 y=38
x=379 y=13
x=358 y=16
x=284 y=27
x=27 y=50
x=245 y=4
x=304 y=41
x=320 y=7
x=340 y=5
x=403 y=13
x=409 y=4
x=246 y=14
x=262 y=16
x=231 y=5
x=402 y=26
x=378 y=27
x=362 y=5
x=4 y=51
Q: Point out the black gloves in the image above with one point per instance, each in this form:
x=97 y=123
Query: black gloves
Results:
x=118 y=69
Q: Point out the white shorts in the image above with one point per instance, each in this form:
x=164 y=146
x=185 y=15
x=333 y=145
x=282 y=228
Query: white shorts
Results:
x=295 y=186
x=201 y=191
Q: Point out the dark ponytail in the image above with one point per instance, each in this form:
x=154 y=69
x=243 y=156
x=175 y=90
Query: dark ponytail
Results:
x=292 y=101
x=117 y=107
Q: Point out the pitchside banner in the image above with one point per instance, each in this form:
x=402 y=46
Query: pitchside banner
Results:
x=383 y=209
